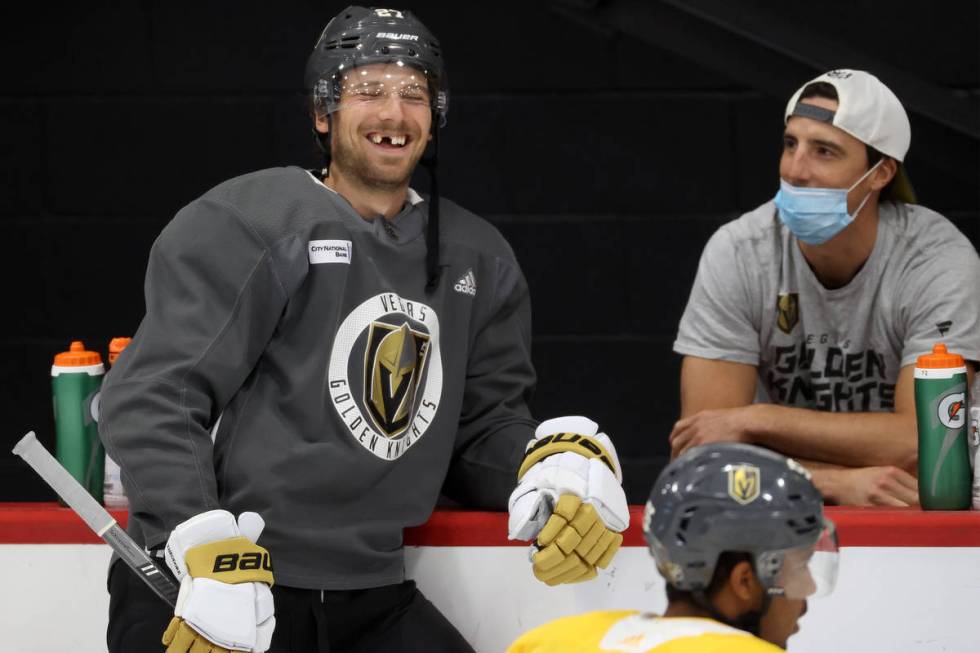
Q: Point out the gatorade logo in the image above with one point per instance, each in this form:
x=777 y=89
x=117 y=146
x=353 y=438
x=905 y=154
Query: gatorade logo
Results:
x=952 y=410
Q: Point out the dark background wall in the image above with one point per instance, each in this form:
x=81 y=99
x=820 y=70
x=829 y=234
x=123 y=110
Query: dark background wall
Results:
x=606 y=140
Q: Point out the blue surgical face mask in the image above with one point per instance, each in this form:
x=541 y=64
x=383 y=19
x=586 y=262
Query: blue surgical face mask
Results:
x=815 y=215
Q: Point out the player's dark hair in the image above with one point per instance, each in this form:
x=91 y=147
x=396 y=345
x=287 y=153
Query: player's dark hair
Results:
x=723 y=569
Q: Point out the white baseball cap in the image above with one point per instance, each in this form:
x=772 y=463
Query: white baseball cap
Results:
x=868 y=111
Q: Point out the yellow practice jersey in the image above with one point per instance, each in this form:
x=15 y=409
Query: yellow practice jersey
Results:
x=629 y=631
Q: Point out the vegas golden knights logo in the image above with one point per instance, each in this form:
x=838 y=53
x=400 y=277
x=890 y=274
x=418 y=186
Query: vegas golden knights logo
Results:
x=394 y=360
x=743 y=483
x=787 y=311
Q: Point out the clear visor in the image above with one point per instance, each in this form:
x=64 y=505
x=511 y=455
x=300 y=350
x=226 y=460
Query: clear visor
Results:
x=809 y=572
x=376 y=84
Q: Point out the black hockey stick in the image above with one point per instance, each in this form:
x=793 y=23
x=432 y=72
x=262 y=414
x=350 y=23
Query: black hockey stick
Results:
x=96 y=517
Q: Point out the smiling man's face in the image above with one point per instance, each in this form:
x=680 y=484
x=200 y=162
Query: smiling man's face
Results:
x=382 y=125
x=819 y=155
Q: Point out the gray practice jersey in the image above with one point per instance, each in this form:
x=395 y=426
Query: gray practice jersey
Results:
x=291 y=363
x=755 y=300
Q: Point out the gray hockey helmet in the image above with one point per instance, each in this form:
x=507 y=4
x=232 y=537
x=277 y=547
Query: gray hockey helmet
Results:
x=361 y=36
x=741 y=498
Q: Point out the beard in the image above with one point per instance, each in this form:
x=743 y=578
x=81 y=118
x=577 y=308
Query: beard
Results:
x=344 y=156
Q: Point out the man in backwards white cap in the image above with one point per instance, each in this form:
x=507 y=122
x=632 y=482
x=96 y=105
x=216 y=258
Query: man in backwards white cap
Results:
x=807 y=314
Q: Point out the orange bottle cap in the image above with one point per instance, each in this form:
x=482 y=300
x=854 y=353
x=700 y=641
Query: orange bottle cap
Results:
x=116 y=345
x=939 y=358
x=77 y=356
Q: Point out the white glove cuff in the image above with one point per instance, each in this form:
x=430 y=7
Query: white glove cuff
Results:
x=566 y=424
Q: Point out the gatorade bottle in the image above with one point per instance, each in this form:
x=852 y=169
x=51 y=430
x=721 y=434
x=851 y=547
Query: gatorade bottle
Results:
x=76 y=377
x=941 y=414
x=115 y=495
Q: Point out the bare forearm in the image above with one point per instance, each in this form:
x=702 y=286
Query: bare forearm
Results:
x=884 y=485
x=848 y=439
x=827 y=478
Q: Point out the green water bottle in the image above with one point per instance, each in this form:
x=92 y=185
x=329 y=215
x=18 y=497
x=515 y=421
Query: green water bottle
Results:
x=76 y=378
x=945 y=478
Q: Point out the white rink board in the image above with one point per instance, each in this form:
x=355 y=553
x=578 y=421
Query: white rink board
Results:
x=890 y=599
x=55 y=597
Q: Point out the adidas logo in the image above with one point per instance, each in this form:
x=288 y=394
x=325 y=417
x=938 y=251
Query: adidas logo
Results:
x=466 y=284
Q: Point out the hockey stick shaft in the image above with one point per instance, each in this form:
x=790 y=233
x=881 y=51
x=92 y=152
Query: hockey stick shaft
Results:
x=95 y=516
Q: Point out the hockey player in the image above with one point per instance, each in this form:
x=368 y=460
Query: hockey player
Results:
x=738 y=533
x=319 y=349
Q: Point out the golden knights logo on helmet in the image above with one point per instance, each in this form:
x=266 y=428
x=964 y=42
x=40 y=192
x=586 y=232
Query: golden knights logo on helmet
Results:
x=743 y=483
x=394 y=360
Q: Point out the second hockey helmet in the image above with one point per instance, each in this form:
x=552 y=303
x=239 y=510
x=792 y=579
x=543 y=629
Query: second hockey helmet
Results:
x=740 y=498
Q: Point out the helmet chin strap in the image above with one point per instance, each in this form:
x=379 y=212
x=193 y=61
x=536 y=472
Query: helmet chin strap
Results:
x=323 y=143
x=432 y=228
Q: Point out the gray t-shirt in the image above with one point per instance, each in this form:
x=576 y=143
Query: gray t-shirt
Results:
x=756 y=301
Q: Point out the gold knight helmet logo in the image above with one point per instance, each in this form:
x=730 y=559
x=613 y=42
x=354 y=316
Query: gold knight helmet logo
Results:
x=787 y=311
x=394 y=361
x=743 y=483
